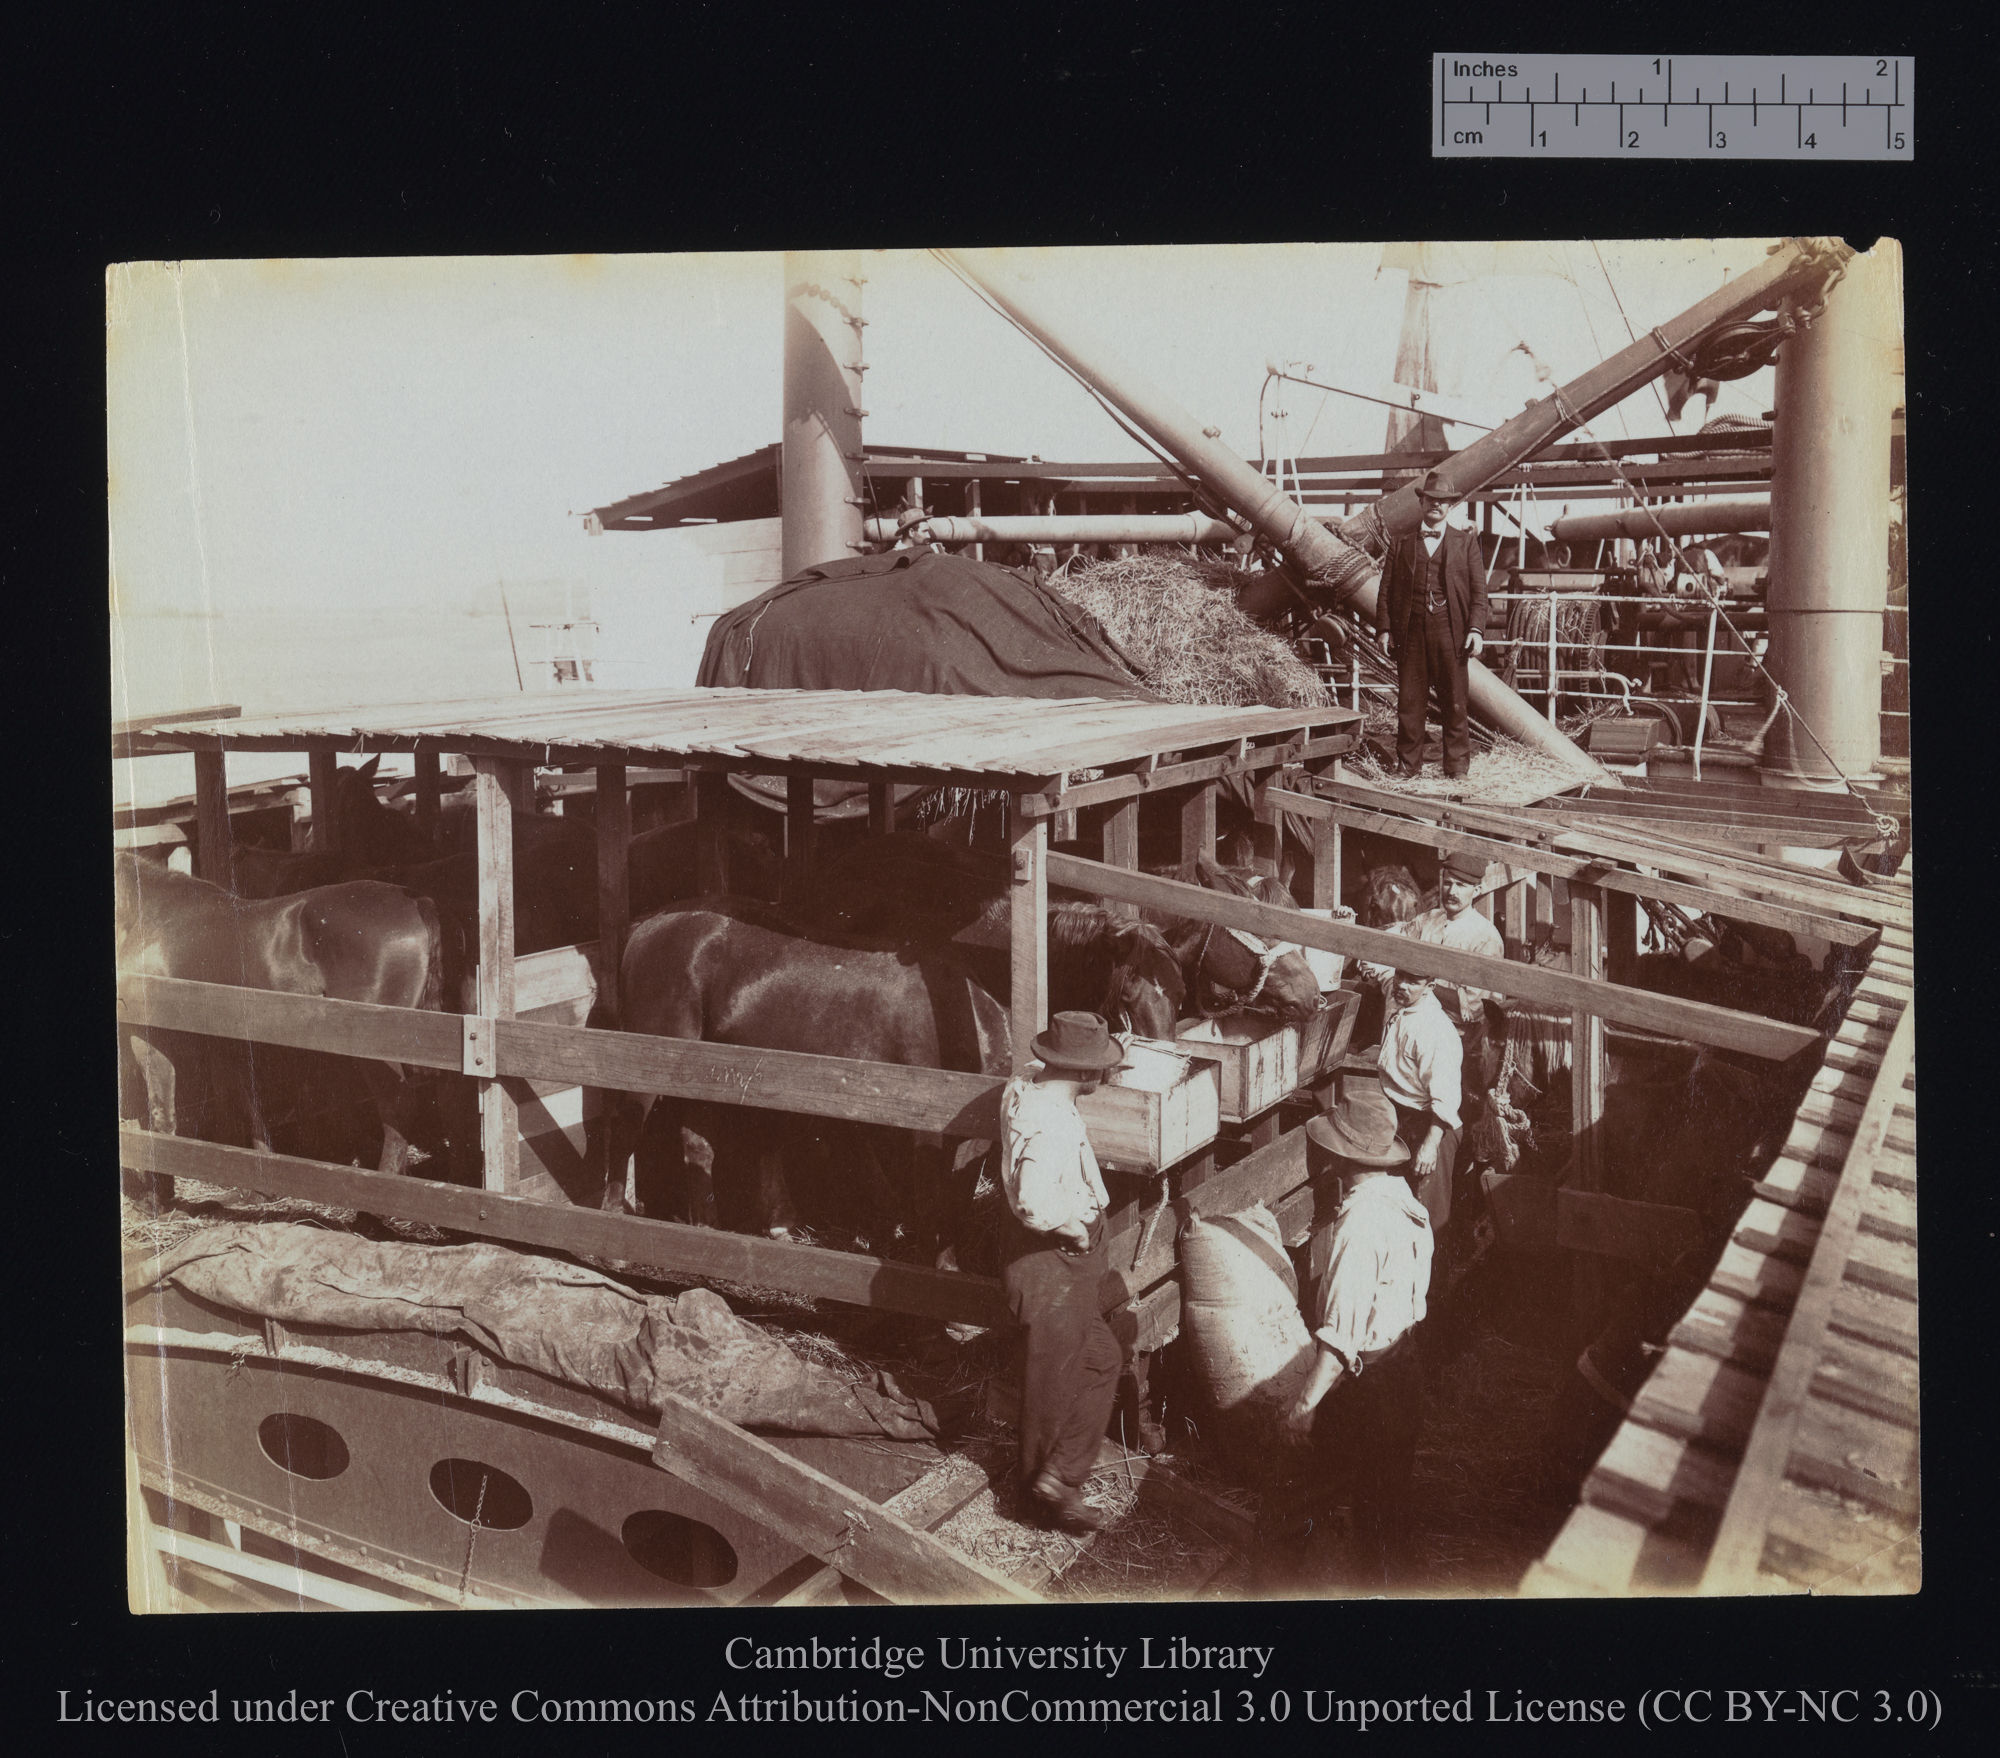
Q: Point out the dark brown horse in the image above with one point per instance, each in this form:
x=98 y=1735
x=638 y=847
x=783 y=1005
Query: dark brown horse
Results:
x=1226 y=969
x=724 y=972
x=371 y=832
x=357 y=942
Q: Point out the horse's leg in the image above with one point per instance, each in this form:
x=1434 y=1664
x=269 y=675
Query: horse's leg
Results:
x=157 y=1074
x=773 y=1211
x=395 y=1105
x=667 y=1183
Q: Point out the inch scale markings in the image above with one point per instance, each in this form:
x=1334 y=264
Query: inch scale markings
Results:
x=1672 y=106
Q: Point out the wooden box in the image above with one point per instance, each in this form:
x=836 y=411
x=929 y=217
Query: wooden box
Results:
x=1258 y=1058
x=1323 y=1039
x=1162 y=1106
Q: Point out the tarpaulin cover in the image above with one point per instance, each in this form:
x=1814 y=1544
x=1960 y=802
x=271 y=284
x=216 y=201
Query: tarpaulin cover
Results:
x=917 y=619
x=568 y=1323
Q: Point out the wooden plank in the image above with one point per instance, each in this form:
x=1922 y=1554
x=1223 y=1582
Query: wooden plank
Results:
x=211 y=795
x=1028 y=932
x=1121 y=844
x=701 y=1253
x=1700 y=1398
x=1588 y=1072
x=1649 y=1476
x=305 y=1022
x=614 y=905
x=494 y=785
x=1739 y=1544
x=1609 y=1226
x=1827 y=1545
x=180 y=717
x=1732 y=1330
x=1693 y=1020
x=323 y=764
x=861 y=1538
x=1198 y=823
x=1169 y=778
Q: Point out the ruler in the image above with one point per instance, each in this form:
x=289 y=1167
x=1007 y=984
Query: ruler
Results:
x=1672 y=106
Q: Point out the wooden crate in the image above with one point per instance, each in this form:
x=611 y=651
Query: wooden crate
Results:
x=1258 y=1060
x=1164 y=1105
x=1323 y=1039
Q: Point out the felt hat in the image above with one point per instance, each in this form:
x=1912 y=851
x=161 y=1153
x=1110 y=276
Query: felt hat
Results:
x=1435 y=488
x=1462 y=866
x=1080 y=1041
x=1362 y=1135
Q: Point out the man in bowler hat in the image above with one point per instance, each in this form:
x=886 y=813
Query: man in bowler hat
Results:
x=1363 y=1397
x=1054 y=1260
x=1434 y=605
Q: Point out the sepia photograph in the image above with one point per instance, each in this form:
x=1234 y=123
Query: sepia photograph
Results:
x=1098 y=925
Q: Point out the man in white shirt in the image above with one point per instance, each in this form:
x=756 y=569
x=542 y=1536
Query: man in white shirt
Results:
x=1421 y=1064
x=1363 y=1398
x=1054 y=1262
x=1454 y=923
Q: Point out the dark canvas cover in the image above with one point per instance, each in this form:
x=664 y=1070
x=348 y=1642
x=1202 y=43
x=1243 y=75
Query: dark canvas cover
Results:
x=917 y=619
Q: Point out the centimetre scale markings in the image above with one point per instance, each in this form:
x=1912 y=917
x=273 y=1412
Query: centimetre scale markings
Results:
x=1672 y=107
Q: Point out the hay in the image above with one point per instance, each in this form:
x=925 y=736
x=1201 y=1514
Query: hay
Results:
x=1176 y=617
x=1506 y=773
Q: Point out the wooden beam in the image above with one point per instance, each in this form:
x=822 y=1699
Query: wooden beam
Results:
x=1121 y=843
x=614 y=907
x=1587 y=1066
x=211 y=796
x=305 y=1022
x=1198 y=823
x=426 y=761
x=711 y=816
x=1327 y=875
x=1138 y=784
x=800 y=834
x=216 y=711
x=1735 y=1559
x=881 y=808
x=1694 y=1020
x=841 y=1526
x=1821 y=925
x=1621 y=934
x=701 y=1253
x=323 y=761
x=494 y=783
x=1268 y=829
x=1028 y=938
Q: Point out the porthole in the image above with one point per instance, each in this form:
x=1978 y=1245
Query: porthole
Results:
x=678 y=1549
x=481 y=1494
x=302 y=1445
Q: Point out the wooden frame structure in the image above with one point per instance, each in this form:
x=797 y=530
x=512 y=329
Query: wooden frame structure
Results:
x=526 y=1042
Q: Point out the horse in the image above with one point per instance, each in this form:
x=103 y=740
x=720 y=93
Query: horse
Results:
x=362 y=941
x=372 y=833
x=726 y=971
x=1243 y=973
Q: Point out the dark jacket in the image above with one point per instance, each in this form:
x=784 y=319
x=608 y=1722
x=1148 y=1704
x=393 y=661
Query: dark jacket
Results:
x=1464 y=584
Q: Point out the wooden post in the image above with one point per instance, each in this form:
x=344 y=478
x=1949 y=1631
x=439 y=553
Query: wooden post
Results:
x=799 y=834
x=499 y=1123
x=1514 y=917
x=881 y=808
x=1028 y=850
x=322 y=763
x=1269 y=831
x=1621 y=936
x=211 y=813
x=972 y=508
x=614 y=905
x=711 y=851
x=1586 y=959
x=1198 y=823
x=1121 y=845
x=427 y=791
x=1327 y=875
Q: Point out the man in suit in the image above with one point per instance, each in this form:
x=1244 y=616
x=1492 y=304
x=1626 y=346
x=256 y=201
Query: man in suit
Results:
x=1434 y=596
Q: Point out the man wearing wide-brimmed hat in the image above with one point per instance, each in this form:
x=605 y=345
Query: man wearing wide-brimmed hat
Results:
x=1434 y=613
x=1363 y=1397
x=1053 y=1262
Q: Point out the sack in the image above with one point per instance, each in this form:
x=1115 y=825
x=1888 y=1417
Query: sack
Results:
x=1240 y=1313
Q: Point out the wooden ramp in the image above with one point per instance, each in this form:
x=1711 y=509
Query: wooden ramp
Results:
x=1774 y=1449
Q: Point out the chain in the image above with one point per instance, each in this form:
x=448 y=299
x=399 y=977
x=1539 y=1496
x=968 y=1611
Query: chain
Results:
x=472 y=1535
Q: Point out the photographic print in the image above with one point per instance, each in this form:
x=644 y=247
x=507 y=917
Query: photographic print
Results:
x=981 y=926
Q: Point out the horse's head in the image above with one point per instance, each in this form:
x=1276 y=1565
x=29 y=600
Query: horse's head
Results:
x=1146 y=987
x=1249 y=974
x=1388 y=895
x=373 y=833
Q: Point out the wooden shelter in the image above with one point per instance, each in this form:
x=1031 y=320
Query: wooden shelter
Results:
x=526 y=1045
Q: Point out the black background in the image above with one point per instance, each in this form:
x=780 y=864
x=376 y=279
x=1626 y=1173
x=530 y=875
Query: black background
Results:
x=255 y=132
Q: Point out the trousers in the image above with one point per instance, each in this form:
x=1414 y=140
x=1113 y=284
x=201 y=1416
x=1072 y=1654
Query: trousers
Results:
x=1365 y=1444
x=1069 y=1379
x=1435 y=1192
x=1427 y=659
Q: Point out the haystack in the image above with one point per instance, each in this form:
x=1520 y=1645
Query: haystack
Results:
x=1177 y=618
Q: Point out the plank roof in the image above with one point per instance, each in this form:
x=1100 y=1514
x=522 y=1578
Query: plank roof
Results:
x=979 y=740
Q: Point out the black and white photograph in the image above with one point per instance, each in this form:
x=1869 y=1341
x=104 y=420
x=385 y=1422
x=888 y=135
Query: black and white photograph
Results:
x=1100 y=924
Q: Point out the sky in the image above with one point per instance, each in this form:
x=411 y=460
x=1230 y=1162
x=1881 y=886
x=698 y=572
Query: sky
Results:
x=324 y=475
